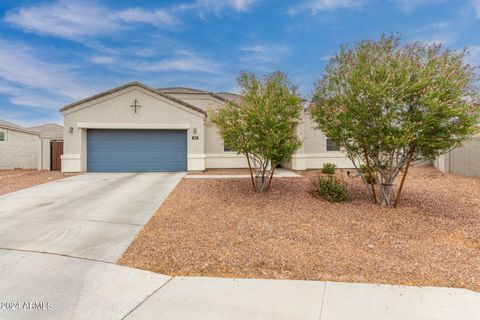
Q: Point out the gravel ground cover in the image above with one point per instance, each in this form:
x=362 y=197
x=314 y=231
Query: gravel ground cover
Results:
x=14 y=180
x=220 y=228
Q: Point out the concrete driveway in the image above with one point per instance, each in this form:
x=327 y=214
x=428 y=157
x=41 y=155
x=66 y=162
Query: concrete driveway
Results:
x=94 y=216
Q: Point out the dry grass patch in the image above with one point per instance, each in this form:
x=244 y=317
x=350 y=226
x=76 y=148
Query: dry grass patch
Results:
x=220 y=228
x=14 y=180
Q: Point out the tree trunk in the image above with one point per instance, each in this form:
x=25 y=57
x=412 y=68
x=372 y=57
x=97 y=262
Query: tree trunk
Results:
x=399 y=192
x=262 y=182
x=270 y=180
x=370 y=176
x=386 y=191
x=259 y=175
x=251 y=173
x=262 y=178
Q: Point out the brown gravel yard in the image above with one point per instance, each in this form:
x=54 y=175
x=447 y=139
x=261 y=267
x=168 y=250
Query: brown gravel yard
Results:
x=14 y=180
x=220 y=228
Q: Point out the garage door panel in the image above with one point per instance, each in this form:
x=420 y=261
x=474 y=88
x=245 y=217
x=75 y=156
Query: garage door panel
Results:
x=137 y=150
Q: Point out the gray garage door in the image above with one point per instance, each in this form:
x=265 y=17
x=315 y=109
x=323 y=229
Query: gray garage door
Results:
x=136 y=150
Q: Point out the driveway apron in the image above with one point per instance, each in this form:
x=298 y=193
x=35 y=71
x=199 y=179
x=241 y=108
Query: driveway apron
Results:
x=94 y=216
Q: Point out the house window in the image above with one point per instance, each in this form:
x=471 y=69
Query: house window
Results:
x=332 y=146
x=2 y=136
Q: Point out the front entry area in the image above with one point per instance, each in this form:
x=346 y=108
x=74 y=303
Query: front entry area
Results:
x=122 y=150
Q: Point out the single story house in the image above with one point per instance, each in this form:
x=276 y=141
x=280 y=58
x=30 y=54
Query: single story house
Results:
x=51 y=135
x=138 y=128
x=20 y=148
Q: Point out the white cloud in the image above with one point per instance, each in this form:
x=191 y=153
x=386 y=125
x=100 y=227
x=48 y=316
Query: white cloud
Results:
x=65 y=19
x=255 y=48
x=103 y=59
x=38 y=100
x=263 y=53
x=410 y=5
x=72 y=19
x=436 y=33
x=26 y=79
x=69 y=19
x=30 y=80
x=182 y=61
x=25 y=117
x=8 y=89
x=476 y=5
x=434 y=26
x=435 y=36
x=265 y=48
x=315 y=6
x=218 y=5
x=157 y=17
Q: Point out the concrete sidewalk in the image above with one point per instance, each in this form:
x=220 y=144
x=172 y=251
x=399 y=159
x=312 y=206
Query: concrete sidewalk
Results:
x=75 y=288
x=279 y=173
x=212 y=298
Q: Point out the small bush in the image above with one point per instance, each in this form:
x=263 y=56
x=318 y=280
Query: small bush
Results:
x=330 y=188
x=370 y=178
x=329 y=168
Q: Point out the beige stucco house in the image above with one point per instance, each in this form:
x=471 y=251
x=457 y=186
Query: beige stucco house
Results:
x=464 y=160
x=20 y=148
x=50 y=135
x=137 y=128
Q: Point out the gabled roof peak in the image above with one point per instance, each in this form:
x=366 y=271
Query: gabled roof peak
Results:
x=132 y=84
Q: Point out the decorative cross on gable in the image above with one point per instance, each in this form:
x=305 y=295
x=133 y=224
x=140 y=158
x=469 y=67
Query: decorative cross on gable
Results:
x=135 y=105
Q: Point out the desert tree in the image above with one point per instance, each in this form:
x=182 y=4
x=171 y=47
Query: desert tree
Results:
x=263 y=127
x=390 y=105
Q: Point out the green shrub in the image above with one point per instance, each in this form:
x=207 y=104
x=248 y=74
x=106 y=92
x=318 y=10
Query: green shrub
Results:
x=330 y=188
x=373 y=177
x=329 y=168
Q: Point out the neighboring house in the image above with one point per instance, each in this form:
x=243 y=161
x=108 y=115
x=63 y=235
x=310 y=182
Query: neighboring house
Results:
x=51 y=135
x=137 y=128
x=19 y=147
x=464 y=160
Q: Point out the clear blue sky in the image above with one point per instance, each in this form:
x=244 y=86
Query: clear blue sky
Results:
x=55 y=52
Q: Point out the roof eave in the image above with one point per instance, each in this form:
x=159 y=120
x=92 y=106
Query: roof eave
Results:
x=130 y=84
x=19 y=129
